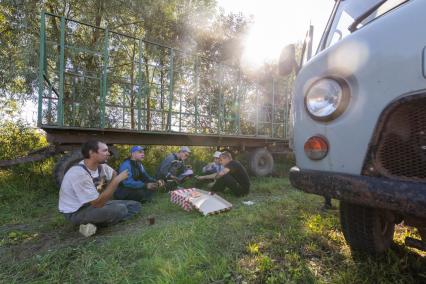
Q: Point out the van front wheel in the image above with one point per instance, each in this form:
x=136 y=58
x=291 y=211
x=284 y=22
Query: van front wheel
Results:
x=365 y=228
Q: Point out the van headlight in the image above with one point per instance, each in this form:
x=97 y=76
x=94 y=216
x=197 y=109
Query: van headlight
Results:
x=327 y=98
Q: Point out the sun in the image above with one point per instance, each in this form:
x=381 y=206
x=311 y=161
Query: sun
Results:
x=260 y=46
x=276 y=24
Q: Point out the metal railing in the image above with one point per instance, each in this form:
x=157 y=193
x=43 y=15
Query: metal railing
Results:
x=91 y=77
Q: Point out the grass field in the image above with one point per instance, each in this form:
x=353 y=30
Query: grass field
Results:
x=282 y=238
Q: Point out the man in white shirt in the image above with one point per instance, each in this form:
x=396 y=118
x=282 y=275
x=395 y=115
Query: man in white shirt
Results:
x=81 y=198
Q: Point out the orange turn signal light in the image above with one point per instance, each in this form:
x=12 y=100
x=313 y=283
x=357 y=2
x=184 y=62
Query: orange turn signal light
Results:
x=316 y=147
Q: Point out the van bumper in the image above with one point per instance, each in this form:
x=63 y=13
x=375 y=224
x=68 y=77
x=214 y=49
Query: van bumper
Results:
x=405 y=197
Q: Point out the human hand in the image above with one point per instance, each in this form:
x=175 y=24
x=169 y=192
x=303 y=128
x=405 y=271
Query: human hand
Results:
x=160 y=183
x=151 y=185
x=122 y=176
x=198 y=177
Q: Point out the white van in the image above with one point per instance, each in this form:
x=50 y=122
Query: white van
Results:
x=359 y=112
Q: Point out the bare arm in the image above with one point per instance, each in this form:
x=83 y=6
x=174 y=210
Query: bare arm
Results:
x=109 y=191
x=222 y=173
x=211 y=176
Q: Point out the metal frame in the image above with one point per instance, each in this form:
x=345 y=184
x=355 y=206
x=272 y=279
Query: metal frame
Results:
x=183 y=119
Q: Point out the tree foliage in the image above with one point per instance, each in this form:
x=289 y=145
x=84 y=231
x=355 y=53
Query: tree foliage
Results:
x=18 y=139
x=144 y=92
x=178 y=23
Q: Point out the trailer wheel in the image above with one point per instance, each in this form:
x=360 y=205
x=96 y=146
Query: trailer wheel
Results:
x=261 y=162
x=365 y=228
x=64 y=164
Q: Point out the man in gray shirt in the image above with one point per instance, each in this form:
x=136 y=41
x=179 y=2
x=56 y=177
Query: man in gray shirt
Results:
x=82 y=201
x=173 y=165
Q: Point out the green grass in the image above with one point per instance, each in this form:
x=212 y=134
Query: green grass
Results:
x=282 y=238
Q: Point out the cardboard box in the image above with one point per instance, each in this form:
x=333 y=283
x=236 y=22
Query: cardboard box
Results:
x=205 y=202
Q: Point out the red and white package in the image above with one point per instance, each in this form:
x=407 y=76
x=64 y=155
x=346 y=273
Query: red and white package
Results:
x=181 y=197
x=205 y=202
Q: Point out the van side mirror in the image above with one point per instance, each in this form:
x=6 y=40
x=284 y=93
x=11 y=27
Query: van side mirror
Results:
x=287 y=62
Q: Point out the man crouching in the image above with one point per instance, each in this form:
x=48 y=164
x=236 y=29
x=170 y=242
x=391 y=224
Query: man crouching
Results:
x=80 y=198
x=233 y=176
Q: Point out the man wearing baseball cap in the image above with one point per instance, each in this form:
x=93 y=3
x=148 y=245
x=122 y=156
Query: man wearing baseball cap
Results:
x=173 y=165
x=210 y=170
x=139 y=185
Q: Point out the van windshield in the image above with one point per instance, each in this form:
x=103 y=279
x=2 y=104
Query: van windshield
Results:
x=349 y=12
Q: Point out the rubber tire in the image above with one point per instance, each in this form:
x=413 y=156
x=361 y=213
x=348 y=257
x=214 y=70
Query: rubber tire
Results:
x=64 y=164
x=261 y=162
x=365 y=228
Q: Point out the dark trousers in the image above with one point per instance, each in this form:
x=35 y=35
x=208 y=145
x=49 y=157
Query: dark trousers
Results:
x=111 y=213
x=229 y=181
x=141 y=195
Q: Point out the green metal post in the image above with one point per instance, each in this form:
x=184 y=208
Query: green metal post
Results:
x=124 y=106
x=61 y=74
x=169 y=118
x=197 y=86
x=286 y=113
x=180 y=112
x=257 y=111
x=139 y=94
x=273 y=107
x=104 y=91
x=73 y=108
x=221 y=112
x=238 y=101
x=49 y=106
x=41 y=68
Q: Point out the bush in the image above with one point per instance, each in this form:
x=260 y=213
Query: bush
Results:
x=18 y=139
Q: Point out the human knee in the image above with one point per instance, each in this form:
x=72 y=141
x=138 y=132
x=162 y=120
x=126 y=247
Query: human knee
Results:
x=133 y=206
x=118 y=211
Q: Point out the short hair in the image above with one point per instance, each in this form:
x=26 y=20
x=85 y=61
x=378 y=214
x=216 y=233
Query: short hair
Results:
x=91 y=145
x=226 y=154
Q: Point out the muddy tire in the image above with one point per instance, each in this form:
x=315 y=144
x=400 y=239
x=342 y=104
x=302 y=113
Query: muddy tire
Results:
x=365 y=228
x=261 y=162
x=64 y=164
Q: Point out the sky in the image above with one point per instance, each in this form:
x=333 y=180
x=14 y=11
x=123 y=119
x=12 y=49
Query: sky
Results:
x=278 y=23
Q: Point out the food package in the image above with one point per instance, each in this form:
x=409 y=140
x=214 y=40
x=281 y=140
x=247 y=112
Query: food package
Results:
x=181 y=198
x=205 y=202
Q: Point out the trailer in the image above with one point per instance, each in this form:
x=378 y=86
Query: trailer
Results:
x=97 y=83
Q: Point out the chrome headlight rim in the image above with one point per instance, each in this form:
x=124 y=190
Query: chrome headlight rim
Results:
x=341 y=107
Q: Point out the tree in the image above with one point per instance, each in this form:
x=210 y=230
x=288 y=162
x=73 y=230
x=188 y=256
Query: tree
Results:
x=205 y=61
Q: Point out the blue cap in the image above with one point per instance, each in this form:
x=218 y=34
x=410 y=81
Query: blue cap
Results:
x=136 y=148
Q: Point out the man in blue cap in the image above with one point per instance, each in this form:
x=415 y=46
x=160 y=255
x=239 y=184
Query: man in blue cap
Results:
x=139 y=185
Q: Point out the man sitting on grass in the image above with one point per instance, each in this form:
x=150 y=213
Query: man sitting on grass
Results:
x=210 y=170
x=234 y=176
x=139 y=185
x=173 y=170
x=82 y=201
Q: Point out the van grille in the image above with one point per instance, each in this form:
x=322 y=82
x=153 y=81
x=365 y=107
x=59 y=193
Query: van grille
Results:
x=401 y=147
